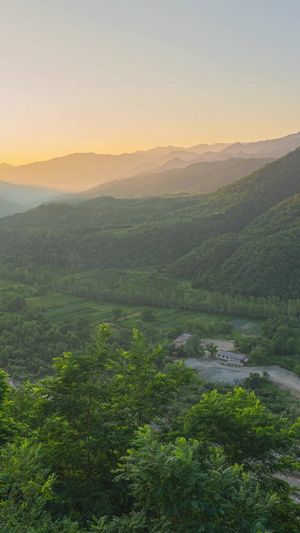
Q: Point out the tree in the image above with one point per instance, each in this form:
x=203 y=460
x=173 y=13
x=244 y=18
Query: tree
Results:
x=147 y=315
x=14 y=303
x=193 y=347
x=86 y=414
x=139 y=325
x=73 y=416
x=243 y=426
x=245 y=344
x=211 y=348
x=252 y=435
x=139 y=389
x=117 y=313
x=29 y=315
x=185 y=486
x=25 y=490
x=8 y=427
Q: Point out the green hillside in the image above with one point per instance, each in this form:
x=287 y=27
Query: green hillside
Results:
x=262 y=260
x=241 y=239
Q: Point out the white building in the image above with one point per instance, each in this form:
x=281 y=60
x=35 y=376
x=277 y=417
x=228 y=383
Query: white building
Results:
x=232 y=358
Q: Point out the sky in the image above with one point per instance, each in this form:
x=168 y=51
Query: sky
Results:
x=113 y=76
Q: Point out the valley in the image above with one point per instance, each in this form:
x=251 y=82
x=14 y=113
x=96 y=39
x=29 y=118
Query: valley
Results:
x=93 y=294
x=150 y=267
x=184 y=258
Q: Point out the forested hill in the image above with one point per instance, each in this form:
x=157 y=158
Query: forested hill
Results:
x=262 y=189
x=262 y=260
x=253 y=234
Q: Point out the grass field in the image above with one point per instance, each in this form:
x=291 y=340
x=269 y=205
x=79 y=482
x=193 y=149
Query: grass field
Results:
x=96 y=312
x=58 y=306
x=93 y=312
x=163 y=319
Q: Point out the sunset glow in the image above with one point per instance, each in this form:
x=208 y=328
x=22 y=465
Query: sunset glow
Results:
x=113 y=77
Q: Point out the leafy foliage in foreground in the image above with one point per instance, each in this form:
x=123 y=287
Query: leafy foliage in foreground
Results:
x=185 y=486
x=86 y=415
x=65 y=464
x=25 y=489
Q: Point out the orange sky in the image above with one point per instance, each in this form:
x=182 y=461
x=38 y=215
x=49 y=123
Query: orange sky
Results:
x=111 y=77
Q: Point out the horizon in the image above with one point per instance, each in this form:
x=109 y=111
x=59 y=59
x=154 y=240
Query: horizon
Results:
x=147 y=149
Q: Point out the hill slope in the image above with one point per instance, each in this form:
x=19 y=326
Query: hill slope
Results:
x=196 y=178
x=6 y=207
x=264 y=258
x=243 y=238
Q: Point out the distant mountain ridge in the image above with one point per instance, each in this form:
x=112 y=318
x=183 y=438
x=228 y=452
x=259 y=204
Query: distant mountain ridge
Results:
x=270 y=148
x=76 y=172
x=196 y=178
x=242 y=239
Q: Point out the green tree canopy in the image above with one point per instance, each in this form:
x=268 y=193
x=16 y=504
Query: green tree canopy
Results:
x=185 y=486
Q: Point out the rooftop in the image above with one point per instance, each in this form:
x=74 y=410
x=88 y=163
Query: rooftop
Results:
x=182 y=339
x=232 y=355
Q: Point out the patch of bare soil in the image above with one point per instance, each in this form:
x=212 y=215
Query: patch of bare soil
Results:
x=213 y=371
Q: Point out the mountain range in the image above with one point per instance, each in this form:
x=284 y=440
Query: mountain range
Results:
x=242 y=239
x=196 y=178
x=75 y=172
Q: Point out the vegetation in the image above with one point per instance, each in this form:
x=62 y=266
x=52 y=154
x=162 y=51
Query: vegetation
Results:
x=32 y=336
x=241 y=240
x=99 y=447
x=116 y=436
x=278 y=343
x=37 y=325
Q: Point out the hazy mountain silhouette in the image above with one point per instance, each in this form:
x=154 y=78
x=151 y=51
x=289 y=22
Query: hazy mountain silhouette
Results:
x=270 y=148
x=241 y=239
x=77 y=171
x=196 y=178
x=159 y=163
x=18 y=198
x=74 y=171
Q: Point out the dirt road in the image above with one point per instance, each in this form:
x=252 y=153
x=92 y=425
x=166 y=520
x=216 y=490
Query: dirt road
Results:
x=221 y=344
x=211 y=370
